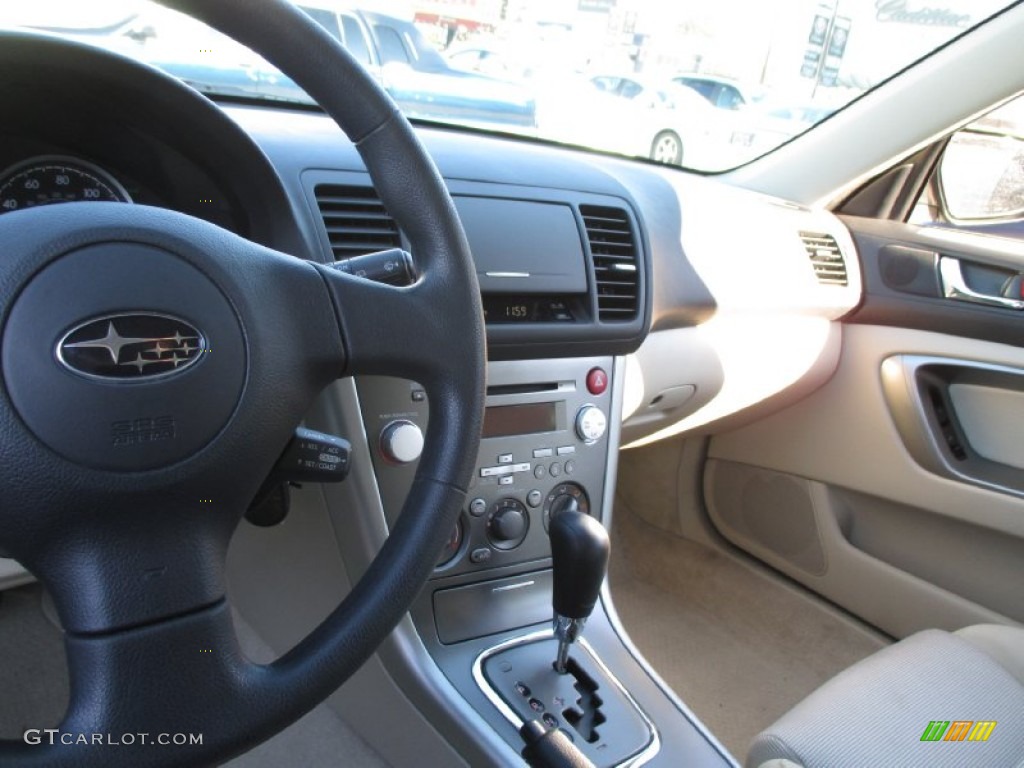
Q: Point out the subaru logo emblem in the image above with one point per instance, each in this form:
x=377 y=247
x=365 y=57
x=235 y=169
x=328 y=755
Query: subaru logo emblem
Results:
x=137 y=345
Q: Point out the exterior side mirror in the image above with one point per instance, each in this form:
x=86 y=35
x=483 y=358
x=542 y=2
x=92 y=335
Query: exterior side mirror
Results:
x=981 y=174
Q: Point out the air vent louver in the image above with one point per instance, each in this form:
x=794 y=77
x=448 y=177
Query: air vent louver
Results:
x=826 y=258
x=356 y=220
x=614 y=253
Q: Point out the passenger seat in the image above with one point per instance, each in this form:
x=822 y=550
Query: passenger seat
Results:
x=929 y=701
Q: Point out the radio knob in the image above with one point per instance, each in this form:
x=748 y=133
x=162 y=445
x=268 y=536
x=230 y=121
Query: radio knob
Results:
x=590 y=423
x=401 y=442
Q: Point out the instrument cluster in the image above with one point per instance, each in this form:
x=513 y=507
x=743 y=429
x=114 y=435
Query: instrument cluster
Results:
x=45 y=180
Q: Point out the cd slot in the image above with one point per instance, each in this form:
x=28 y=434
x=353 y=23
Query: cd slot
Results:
x=522 y=389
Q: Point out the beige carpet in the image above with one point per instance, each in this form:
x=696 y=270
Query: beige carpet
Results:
x=739 y=646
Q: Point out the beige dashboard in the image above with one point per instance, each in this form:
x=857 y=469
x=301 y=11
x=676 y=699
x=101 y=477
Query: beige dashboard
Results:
x=780 y=276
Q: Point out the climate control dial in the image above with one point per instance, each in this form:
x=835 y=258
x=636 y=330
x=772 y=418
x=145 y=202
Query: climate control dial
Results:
x=507 y=524
x=565 y=497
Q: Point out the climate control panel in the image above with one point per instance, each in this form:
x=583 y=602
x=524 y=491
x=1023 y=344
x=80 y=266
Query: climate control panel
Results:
x=544 y=449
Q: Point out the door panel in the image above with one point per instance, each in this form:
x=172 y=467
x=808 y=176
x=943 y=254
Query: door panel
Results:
x=900 y=270
x=897 y=489
x=960 y=419
x=851 y=548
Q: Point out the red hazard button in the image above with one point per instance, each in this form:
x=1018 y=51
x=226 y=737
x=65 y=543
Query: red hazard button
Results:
x=597 y=381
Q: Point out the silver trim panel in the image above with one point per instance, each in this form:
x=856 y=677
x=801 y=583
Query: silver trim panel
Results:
x=642 y=758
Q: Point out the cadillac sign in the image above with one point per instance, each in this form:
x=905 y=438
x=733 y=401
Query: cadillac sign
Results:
x=901 y=11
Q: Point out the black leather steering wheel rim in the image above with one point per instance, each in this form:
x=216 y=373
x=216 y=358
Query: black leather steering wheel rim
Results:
x=171 y=664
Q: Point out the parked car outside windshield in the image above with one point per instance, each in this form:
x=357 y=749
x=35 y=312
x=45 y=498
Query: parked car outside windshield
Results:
x=529 y=66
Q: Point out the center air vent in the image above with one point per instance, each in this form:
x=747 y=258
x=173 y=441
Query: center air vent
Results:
x=826 y=258
x=356 y=220
x=614 y=253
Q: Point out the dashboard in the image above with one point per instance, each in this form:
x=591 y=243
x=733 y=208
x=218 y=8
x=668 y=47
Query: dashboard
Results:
x=683 y=284
x=693 y=282
x=556 y=282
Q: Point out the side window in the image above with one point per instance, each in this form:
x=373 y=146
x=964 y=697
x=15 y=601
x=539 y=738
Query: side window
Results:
x=979 y=182
x=355 y=40
x=729 y=98
x=704 y=88
x=392 y=48
x=326 y=19
x=604 y=83
x=630 y=89
x=410 y=46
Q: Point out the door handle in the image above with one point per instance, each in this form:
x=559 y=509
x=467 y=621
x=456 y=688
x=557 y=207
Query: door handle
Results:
x=955 y=287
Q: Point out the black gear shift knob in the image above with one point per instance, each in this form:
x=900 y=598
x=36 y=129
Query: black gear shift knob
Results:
x=579 y=558
x=579 y=554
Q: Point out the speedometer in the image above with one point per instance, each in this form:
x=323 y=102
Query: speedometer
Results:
x=48 y=180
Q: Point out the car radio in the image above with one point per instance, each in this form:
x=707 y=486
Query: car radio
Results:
x=543 y=449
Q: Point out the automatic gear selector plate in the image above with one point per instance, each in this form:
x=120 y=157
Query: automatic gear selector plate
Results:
x=586 y=703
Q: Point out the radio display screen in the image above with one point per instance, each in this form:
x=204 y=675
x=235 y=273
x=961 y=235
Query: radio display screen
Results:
x=509 y=420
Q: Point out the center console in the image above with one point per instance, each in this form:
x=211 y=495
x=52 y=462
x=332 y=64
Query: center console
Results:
x=566 y=291
x=549 y=446
x=544 y=446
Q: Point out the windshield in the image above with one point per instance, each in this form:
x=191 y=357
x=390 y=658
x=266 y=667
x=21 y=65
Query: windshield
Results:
x=707 y=84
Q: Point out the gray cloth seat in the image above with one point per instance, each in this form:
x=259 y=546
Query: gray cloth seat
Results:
x=877 y=713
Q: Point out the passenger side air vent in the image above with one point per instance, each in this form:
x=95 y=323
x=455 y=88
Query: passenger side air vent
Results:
x=826 y=258
x=613 y=250
x=356 y=220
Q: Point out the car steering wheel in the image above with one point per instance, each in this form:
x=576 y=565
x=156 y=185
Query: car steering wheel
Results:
x=126 y=481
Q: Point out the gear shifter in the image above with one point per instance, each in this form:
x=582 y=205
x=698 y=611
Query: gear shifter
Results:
x=579 y=554
x=578 y=711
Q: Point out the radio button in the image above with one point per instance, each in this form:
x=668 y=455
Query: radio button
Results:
x=495 y=471
x=542 y=453
x=477 y=507
x=539 y=471
x=534 y=498
x=591 y=423
x=524 y=467
x=555 y=470
x=401 y=442
x=506 y=480
x=570 y=467
x=480 y=555
x=565 y=450
x=505 y=458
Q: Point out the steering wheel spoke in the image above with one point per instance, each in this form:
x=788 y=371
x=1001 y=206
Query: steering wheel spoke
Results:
x=389 y=330
x=196 y=681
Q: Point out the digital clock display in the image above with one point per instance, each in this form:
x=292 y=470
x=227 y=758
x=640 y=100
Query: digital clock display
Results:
x=500 y=308
x=518 y=311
